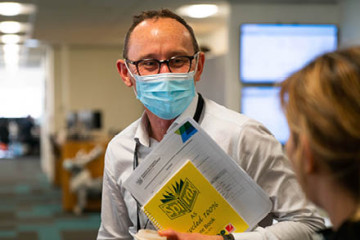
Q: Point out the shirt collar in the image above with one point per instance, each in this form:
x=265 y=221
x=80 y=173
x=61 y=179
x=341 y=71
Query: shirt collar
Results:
x=142 y=131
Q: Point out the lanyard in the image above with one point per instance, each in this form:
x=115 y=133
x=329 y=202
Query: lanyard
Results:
x=197 y=115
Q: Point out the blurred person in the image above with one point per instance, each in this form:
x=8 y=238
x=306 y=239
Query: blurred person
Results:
x=26 y=134
x=13 y=131
x=4 y=131
x=322 y=105
x=162 y=63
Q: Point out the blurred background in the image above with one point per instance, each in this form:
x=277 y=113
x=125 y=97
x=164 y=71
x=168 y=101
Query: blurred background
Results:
x=61 y=98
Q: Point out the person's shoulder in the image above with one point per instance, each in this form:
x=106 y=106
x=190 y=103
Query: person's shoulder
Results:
x=121 y=142
x=126 y=134
x=119 y=152
x=226 y=125
x=229 y=119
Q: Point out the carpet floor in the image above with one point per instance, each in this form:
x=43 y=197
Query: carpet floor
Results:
x=30 y=207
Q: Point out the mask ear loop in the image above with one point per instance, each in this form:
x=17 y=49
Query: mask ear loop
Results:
x=196 y=62
x=127 y=67
x=132 y=75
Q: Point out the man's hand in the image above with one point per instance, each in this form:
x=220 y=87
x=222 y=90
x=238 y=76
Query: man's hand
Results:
x=174 y=235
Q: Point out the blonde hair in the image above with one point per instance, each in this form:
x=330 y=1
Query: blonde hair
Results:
x=322 y=101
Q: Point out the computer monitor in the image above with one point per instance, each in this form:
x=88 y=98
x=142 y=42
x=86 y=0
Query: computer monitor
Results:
x=271 y=52
x=90 y=119
x=263 y=105
x=86 y=119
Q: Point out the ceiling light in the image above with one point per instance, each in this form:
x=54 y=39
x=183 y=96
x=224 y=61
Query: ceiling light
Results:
x=10 y=8
x=11 y=27
x=10 y=38
x=198 y=10
x=13 y=8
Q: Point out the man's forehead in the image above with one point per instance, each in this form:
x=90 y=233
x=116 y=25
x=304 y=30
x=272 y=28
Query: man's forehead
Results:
x=168 y=25
x=166 y=34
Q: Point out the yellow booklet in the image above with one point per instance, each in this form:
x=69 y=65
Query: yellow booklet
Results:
x=189 y=203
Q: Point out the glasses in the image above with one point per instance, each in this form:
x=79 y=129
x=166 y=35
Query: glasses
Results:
x=177 y=64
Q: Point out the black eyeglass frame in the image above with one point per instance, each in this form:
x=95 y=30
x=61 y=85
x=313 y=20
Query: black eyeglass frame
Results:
x=160 y=62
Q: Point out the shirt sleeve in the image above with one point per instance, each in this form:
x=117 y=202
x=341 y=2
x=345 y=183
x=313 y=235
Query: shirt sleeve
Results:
x=263 y=158
x=115 y=220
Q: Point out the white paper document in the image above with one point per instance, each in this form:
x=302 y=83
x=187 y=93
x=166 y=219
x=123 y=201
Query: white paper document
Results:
x=189 y=142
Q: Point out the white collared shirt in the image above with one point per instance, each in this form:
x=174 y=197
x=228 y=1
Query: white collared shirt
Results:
x=248 y=142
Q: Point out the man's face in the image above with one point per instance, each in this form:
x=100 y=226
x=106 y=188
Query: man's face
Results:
x=160 y=39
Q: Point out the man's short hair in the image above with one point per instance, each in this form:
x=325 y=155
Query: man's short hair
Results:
x=156 y=14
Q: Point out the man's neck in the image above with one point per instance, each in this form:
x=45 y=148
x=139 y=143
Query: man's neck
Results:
x=157 y=126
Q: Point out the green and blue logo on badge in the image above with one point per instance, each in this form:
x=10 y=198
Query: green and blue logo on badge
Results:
x=186 y=131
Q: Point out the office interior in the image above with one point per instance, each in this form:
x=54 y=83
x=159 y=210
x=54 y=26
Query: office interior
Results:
x=66 y=67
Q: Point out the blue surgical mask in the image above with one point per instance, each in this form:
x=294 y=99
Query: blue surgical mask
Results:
x=167 y=95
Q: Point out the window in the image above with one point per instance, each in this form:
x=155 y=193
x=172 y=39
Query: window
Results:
x=21 y=93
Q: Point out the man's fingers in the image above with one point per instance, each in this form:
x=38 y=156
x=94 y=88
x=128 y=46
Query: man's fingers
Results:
x=169 y=234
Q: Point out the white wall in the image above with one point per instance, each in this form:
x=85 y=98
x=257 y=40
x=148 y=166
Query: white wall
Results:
x=350 y=23
x=211 y=84
x=94 y=83
x=216 y=40
x=87 y=78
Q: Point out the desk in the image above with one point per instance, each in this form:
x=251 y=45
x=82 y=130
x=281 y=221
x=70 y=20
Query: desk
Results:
x=96 y=168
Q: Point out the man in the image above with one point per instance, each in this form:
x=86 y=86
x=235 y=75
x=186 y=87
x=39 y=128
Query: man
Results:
x=162 y=63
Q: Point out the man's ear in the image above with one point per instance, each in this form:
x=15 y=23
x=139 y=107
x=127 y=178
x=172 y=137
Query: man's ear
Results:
x=124 y=72
x=200 y=66
x=309 y=161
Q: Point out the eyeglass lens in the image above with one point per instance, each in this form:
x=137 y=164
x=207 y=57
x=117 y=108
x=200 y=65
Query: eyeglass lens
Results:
x=179 y=64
